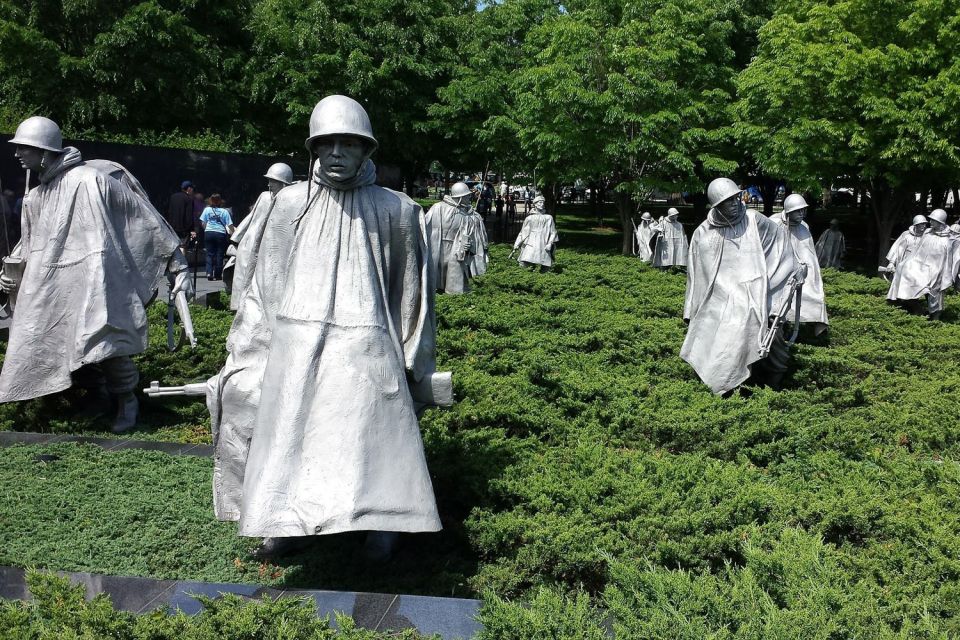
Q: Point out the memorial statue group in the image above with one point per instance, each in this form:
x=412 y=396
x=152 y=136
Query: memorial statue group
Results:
x=331 y=355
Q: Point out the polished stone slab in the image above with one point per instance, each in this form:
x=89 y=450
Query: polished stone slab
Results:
x=450 y=618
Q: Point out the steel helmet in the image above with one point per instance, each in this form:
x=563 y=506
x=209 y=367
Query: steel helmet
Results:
x=646 y=216
x=793 y=202
x=834 y=221
x=672 y=212
x=281 y=172
x=340 y=115
x=459 y=190
x=40 y=133
x=538 y=201
x=722 y=189
x=939 y=215
x=918 y=219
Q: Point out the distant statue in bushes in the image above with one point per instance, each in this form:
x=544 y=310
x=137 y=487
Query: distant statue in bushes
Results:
x=480 y=257
x=813 y=309
x=671 y=246
x=537 y=238
x=643 y=235
x=927 y=270
x=904 y=245
x=92 y=254
x=331 y=356
x=742 y=282
x=832 y=247
x=454 y=239
x=245 y=240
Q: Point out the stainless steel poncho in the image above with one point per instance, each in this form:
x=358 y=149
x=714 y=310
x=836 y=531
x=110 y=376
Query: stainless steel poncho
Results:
x=247 y=237
x=95 y=251
x=903 y=246
x=536 y=240
x=336 y=445
x=813 y=306
x=480 y=257
x=928 y=269
x=737 y=275
x=642 y=236
x=233 y=395
x=831 y=247
x=671 y=247
x=450 y=245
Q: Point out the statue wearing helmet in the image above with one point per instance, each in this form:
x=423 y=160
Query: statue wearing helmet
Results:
x=832 y=247
x=92 y=253
x=813 y=307
x=454 y=239
x=245 y=239
x=331 y=356
x=671 y=247
x=741 y=273
x=925 y=268
x=643 y=235
x=537 y=237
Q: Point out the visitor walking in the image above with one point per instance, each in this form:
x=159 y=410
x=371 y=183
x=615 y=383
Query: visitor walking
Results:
x=180 y=212
x=217 y=225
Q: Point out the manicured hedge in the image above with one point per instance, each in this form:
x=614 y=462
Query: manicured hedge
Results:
x=589 y=481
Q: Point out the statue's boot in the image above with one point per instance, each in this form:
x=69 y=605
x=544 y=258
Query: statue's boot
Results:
x=127 y=411
x=279 y=547
x=96 y=403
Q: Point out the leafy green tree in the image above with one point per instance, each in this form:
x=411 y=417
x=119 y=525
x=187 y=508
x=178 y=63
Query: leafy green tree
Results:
x=107 y=66
x=862 y=88
x=388 y=54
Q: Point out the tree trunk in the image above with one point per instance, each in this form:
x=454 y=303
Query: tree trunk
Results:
x=594 y=207
x=956 y=200
x=550 y=198
x=700 y=206
x=888 y=205
x=921 y=204
x=938 y=198
x=625 y=211
x=768 y=191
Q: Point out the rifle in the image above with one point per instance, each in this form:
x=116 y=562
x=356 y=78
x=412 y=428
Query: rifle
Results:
x=796 y=289
x=193 y=389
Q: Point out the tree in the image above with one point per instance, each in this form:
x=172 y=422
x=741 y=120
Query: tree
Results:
x=390 y=55
x=865 y=88
x=107 y=66
x=635 y=92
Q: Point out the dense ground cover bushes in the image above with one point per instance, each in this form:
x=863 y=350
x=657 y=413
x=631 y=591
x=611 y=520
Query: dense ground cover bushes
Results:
x=589 y=481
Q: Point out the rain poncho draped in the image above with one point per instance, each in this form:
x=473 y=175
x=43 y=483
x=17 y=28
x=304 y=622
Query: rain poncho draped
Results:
x=349 y=346
x=536 y=240
x=642 y=235
x=927 y=269
x=479 y=258
x=451 y=245
x=671 y=247
x=904 y=246
x=95 y=251
x=247 y=238
x=831 y=247
x=737 y=276
x=813 y=306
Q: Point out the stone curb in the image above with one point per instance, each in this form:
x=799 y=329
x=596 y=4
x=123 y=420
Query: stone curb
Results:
x=451 y=618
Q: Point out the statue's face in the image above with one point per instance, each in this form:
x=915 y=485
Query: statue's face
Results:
x=936 y=226
x=797 y=216
x=340 y=156
x=731 y=208
x=30 y=158
x=918 y=228
x=274 y=186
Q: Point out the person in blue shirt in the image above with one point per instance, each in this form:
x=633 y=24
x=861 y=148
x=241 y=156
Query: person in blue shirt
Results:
x=217 y=225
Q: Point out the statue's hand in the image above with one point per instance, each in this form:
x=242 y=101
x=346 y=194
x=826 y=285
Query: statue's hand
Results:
x=800 y=275
x=8 y=285
x=182 y=283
